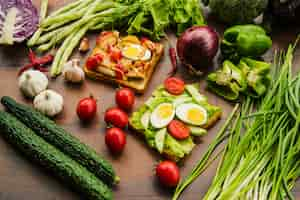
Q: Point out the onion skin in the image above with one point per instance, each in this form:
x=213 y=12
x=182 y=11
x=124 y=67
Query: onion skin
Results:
x=197 y=47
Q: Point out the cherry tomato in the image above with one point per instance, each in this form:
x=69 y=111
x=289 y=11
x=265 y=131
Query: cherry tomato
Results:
x=168 y=173
x=86 y=109
x=125 y=98
x=94 y=61
x=178 y=130
x=115 y=140
x=116 y=117
x=174 y=85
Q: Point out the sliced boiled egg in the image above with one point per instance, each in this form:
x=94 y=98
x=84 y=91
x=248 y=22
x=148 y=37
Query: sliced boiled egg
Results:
x=135 y=52
x=162 y=115
x=191 y=113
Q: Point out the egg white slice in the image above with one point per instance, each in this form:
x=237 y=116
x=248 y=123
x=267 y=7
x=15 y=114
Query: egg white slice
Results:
x=192 y=114
x=162 y=115
x=147 y=55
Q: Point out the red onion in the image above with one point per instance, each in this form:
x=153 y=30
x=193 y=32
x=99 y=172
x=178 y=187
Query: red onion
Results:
x=197 y=47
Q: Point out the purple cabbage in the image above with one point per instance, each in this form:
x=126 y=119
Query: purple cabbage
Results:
x=19 y=19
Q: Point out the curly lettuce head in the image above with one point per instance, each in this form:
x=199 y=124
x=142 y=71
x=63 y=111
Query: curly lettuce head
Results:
x=238 y=11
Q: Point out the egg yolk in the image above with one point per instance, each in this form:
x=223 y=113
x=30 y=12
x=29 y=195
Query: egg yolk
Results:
x=195 y=116
x=165 y=111
x=131 y=51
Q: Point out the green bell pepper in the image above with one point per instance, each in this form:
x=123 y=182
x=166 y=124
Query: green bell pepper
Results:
x=227 y=82
x=245 y=41
x=258 y=77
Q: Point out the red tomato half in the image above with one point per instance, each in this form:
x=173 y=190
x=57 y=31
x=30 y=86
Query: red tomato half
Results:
x=178 y=130
x=125 y=98
x=174 y=85
x=168 y=173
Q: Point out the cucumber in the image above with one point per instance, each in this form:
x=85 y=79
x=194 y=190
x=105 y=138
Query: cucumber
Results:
x=197 y=131
x=61 y=139
x=160 y=139
x=50 y=158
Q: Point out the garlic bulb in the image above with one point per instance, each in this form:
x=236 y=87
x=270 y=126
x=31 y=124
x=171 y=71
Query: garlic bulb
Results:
x=49 y=103
x=72 y=71
x=32 y=82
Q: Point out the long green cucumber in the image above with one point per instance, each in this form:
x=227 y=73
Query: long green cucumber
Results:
x=50 y=158
x=57 y=136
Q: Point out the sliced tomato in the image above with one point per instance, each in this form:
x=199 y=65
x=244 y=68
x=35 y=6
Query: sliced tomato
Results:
x=174 y=85
x=94 y=61
x=144 y=39
x=114 y=53
x=119 y=70
x=178 y=130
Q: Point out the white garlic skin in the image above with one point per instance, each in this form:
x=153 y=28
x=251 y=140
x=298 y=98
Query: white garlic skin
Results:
x=32 y=82
x=73 y=72
x=49 y=103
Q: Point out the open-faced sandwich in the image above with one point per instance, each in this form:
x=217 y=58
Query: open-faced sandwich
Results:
x=128 y=61
x=171 y=119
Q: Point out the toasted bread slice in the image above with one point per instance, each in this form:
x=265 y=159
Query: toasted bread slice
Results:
x=136 y=81
x=173 y=148
x=138 y=85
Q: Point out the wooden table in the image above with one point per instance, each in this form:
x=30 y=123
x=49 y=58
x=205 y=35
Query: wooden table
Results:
x=22 y=180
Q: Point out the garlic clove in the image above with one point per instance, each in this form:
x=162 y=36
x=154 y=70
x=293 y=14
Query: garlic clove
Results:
x=73 y=72
x=84 y=45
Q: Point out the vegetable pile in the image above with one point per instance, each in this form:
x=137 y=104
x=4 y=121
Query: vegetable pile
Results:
x=260 y=160
x=146 y=17
x=18 y=20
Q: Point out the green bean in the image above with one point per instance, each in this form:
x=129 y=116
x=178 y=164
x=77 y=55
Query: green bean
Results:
x=63 y=17
x=43 y=10
x=48 y=36
x=71 y=28
x=32 y=41
x=44 y=47
x=104 y=6
x=55 y=26
x=69 y=16
x=59 y=53
x=98 y=26
x=69 y=49
x=67 y=7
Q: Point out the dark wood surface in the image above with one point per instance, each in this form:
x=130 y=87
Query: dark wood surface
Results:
x=22 y=180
